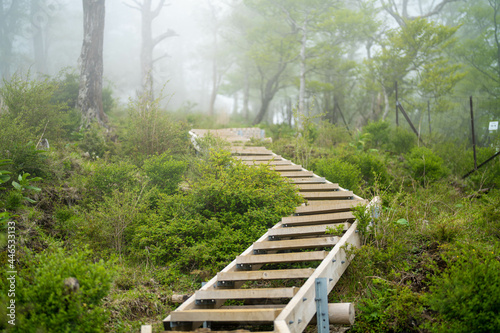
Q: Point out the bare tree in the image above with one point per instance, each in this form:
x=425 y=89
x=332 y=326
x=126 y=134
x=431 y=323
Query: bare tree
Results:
x=11 y=15
x=400 y=13
x=91 y=63
x=148 y=14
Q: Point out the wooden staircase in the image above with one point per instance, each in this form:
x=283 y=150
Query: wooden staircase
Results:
x=271 y=286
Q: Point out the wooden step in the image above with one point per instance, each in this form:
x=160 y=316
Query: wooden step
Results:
x=311 y=180
x=317 y=187
x=312 y=230
x=339 y=206
x=297 y=174
x=286 y=167
x=258 y=158
x=327 y=195
x=226 y=315
x=282 y=162
x=306 y=243
x=246 y=293
x=250 y=151
x=291 y=221
x=280 y=274
x=281 y=258
x=334 y=202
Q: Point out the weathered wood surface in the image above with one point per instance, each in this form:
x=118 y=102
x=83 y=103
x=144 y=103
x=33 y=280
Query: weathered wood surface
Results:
x=286 y=167
x=340 y=206
x=297 y=174
x=305 y=231
x=308 y=180
x=293 y=244
x=332 y=195
x=281 y=257
x=317 y=187
x=282 y=162
x=259 y=158
x=246 y=293
x=226 y=315
x=318 y=219
x=281 y=274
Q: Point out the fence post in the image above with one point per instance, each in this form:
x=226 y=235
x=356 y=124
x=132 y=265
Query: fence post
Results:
x=473 y=134
x=397 y=101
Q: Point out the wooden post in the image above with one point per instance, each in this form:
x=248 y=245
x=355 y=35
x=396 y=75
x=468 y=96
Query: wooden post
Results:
x=397 y=102
x=146 y=329
x=429 y=115
x=341 y=313
x=409 y=121
x=473 y=134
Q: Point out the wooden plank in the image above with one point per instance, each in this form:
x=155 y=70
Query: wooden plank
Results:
x=297 y=174
x=280 y=274
x=339 y=206
x=318 y=219
x=250 y=151
x=334 y=202
x=327 y=195
x=286 y=167
x=258 y=158
x=317 y=187
x=306 y=243
x=257 y=306
x=246 y=293
x=283 y=162
x=312 y=180
x=281 y=257
x=226 y=315
x=312 y=230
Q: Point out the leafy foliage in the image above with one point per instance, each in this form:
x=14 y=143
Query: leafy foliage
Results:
x=466 y=294
x=224 y=210
x=44 y=299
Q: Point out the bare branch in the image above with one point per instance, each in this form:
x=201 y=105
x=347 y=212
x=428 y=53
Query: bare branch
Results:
x=167 y=34
x=436 y=9
x=158 y=8
x=138 y=7
x=166 y=55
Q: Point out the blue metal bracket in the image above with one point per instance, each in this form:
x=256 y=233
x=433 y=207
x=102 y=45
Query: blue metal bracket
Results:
x=322 y=305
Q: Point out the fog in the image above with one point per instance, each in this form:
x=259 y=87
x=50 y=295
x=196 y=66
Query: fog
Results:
x=181 y=73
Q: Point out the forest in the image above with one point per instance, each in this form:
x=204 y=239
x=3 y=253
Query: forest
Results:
x=107 y=210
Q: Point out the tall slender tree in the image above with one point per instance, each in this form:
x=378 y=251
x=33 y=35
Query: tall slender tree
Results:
x=148 y=14
x=91 y=63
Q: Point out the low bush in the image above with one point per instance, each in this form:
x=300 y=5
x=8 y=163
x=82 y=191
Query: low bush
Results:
x=425 y=166
x=59 y=291
x=346 y=174
x=225 y=210
x=467 y=294
x=164 y=172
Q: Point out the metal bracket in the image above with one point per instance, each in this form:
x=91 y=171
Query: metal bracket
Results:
x=204 y=302
x=244 y=267
x=229 y=284
x=259 y=251
x=322 y=305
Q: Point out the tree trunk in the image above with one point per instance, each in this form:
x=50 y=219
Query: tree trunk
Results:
x=246 y=95
x=263 y=109
x=39 y=36
x=147 y=49
x=9 y=26
x=302 y=87
x=91 y=63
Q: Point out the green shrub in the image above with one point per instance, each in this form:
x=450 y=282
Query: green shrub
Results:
x=467 y=294
x=425 y=166
x=227 y=207
x=388 y=308
x=30 y=102
x=44 y=303
x=164 y=172
x=372 y=167
x=330 y=135
x=402 y=141
x=378 y=134
x=347 y=175
x=108 y=177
